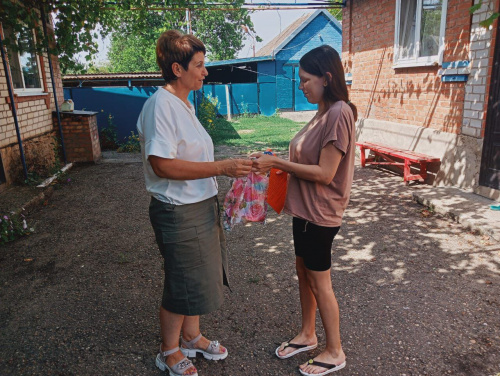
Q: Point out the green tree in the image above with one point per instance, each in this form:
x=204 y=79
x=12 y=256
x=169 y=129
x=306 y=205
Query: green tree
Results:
x=76 y=22
x=133 y=47
x=337 y=13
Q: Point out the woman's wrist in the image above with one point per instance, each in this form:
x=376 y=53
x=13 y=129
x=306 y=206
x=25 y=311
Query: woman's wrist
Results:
x=219 y=168
x=282 y=165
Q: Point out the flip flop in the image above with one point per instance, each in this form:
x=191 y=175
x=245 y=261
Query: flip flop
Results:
x=495 y=207
x=330 y=368
x=300 y=348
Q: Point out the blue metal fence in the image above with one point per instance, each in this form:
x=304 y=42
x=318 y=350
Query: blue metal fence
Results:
x=124 y=104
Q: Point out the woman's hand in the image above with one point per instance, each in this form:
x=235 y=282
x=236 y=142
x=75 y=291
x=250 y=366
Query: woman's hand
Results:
x=236 y=168
x=262 y=162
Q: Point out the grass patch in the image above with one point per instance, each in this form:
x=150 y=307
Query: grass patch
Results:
x=255 y=133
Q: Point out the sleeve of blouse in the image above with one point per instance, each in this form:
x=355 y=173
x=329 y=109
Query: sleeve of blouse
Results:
x=336 y=130
x=160 y=133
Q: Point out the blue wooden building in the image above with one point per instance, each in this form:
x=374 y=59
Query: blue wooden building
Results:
x=259 y=85
x=273 y=72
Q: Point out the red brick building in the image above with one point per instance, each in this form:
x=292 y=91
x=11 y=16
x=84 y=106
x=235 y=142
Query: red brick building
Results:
x=421 y=73
x=36 y=137
x=34 y=103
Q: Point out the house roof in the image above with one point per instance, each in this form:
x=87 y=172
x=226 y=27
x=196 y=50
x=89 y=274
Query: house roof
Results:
x=113 y=76
x=281 y=40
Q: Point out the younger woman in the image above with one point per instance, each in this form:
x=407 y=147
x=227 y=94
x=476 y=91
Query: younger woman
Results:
x=321 y=167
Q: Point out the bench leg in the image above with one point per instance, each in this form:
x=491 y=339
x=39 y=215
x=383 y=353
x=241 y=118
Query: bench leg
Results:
x=423 y=170
x=406 y=172
x=363 y=157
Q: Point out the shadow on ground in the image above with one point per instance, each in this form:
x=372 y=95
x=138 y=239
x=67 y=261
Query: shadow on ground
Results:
x=418 y=294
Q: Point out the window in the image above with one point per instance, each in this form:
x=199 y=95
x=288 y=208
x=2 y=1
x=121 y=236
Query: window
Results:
x=24 y=64
x=419 y=37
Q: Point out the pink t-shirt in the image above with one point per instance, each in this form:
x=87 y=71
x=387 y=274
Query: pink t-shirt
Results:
x=322 y=204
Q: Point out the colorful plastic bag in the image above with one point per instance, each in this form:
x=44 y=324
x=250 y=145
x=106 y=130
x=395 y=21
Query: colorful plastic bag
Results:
x=246 y=201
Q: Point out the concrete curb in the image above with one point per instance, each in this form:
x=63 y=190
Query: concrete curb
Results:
x=470 y=221
x=36 y=201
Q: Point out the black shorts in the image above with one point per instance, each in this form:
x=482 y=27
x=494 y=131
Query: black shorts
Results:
x=314 y=244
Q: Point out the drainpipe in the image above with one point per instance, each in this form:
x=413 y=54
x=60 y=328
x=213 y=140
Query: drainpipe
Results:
x=44 y=22
x=13 y=106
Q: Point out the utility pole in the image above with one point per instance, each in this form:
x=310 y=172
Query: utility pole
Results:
x=188 y=19
x=247 y=31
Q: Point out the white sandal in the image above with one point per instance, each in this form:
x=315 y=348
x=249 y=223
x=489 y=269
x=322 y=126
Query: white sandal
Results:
x=214 y=351
x=177 y=369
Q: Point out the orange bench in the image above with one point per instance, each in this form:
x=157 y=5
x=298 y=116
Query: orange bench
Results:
x=409 y=157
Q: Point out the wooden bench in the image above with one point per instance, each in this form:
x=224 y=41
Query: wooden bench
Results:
x=409 y=157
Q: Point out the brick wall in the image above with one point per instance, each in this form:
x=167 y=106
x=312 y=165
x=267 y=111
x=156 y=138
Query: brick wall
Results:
x=481 y=58
x=39 y=154
x=81 y=136
x=413 y=95
x=34 y=115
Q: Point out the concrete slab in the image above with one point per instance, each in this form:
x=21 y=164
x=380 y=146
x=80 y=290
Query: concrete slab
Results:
x=300 y=116
x=467 y=208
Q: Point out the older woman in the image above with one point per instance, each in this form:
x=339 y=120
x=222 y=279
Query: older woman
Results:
x=180 y=170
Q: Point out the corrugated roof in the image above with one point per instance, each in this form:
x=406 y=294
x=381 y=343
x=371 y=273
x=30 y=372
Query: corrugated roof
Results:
x=113 y=76
x=276 y=41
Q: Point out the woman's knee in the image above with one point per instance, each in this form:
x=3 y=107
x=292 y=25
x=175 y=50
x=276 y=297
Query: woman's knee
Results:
x=319 y=284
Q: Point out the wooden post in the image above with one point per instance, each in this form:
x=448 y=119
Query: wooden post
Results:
x=228 y=103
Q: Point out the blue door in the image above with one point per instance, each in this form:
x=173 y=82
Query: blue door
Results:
x=267 y=98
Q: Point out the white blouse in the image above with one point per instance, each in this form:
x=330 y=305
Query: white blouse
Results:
x=168 y=128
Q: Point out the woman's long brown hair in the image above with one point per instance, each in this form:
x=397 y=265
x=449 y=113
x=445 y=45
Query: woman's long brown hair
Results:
x=322 y=60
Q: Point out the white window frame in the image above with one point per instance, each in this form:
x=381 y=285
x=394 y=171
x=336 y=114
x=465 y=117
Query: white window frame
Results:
x=24 y=91
x=417 y=61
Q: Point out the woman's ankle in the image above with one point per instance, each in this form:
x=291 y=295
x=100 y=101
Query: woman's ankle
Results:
x=310 y=338
x=335 y=352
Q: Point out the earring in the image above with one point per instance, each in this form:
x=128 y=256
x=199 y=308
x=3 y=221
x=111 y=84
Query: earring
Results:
x=325 y=84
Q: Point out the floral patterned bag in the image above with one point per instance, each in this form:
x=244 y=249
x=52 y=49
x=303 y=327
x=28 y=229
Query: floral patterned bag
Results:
x=246 y=200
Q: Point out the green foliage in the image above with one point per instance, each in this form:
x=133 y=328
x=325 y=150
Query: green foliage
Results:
x=221 y=31
x=75 y=23
x=99 y=68
x=131 y=145
x=207 y=112
x=133 y=43
x=57 y=150
x=33 y=179
x=12 y=227
x=244 y=111
x=79 y=23
x=476 y=7
x=487 y=22
x=131 y=53
x=108 y=135
x=336 y=13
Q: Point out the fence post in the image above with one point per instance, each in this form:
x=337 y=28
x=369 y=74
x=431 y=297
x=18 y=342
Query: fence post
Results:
x=228 y=103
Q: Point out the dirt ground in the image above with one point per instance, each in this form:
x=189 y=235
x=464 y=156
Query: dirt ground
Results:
x=418 y=294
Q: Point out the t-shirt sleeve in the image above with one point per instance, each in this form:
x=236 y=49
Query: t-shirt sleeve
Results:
x=160 y=132
x=336 y=130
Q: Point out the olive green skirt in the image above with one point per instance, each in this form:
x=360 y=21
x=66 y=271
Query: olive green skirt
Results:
x=193 y=246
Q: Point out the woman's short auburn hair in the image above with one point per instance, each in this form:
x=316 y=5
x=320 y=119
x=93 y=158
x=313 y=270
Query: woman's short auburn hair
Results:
x=175 y=47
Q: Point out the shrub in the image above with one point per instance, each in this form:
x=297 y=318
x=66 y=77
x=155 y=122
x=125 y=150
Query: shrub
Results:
x=12 y=227
x=108 y=135
x=131 y=145
x=207 y=112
